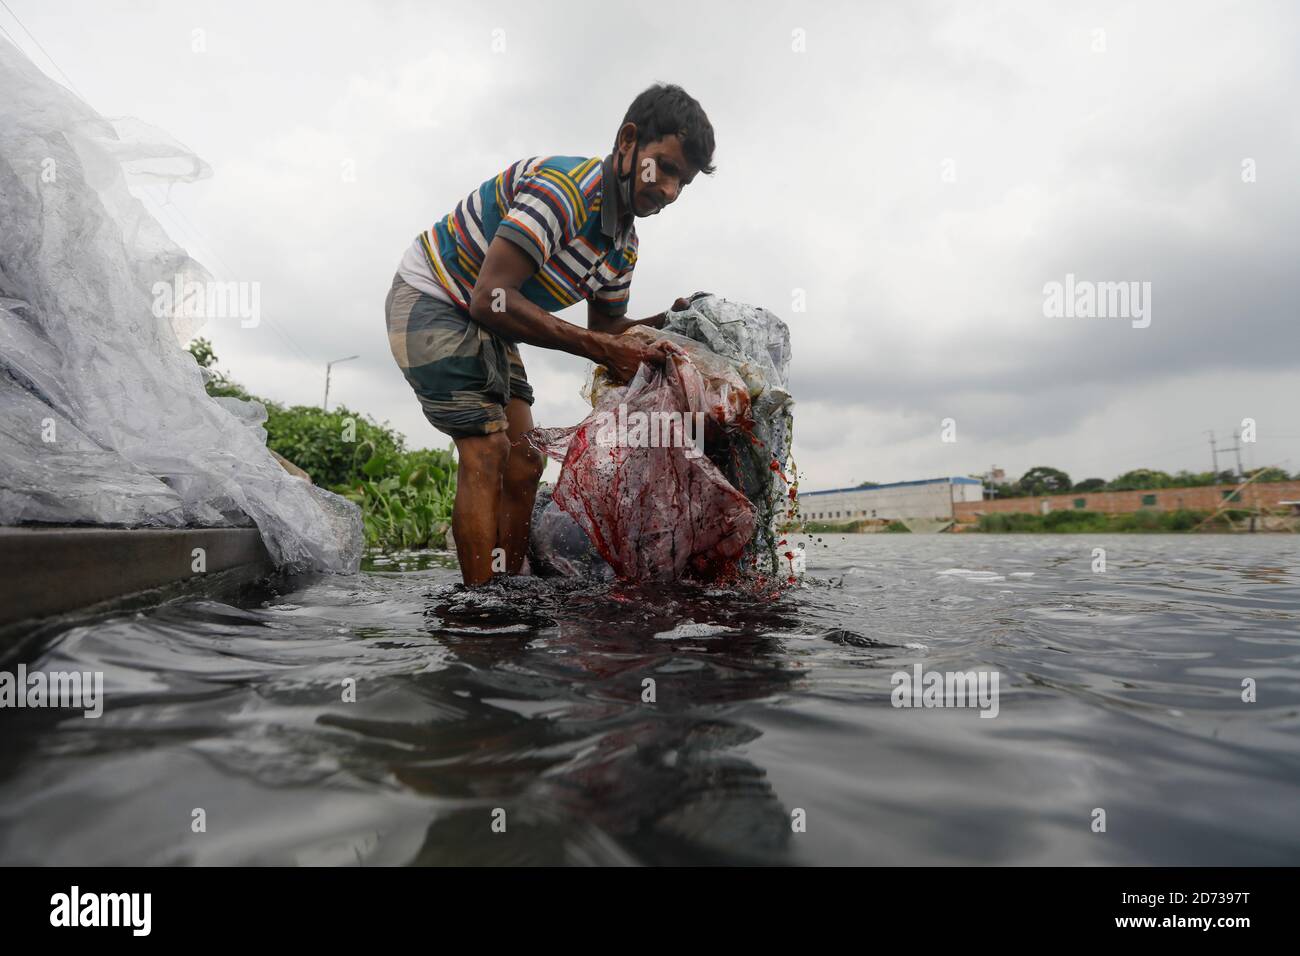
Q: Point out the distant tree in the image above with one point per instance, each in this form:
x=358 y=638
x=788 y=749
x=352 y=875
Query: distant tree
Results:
x=1268 y=474
x=1090 y=484
x=1044 y=481
x=1141 y=479
x=1193 y=479
x=868 y=484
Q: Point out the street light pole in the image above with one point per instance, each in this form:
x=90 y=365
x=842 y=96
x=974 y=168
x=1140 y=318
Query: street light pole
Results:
x=325 y=406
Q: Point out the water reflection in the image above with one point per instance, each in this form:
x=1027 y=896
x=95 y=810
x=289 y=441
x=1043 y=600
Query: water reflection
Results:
x=601 y=734
x=1121 y=690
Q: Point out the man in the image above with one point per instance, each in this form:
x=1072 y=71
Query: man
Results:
x=545 y=233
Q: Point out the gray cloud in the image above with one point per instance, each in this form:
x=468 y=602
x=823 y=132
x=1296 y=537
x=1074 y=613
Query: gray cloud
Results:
x=924 y=297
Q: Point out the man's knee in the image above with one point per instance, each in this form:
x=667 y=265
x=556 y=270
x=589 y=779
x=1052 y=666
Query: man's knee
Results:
x=487 y=454
x=525 y=466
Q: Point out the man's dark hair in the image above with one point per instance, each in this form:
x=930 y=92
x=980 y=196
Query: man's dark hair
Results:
x=665 y=109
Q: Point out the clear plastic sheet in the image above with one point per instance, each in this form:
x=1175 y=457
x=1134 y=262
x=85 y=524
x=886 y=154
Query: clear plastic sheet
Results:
x=670 y=507
x=103 y=416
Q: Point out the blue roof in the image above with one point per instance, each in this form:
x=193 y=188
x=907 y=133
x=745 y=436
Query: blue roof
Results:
x=960 y=480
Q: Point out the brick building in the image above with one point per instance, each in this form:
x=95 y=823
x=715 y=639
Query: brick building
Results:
x=1278 y=495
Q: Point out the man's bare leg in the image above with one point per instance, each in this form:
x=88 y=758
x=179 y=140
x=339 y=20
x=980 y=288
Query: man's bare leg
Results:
x=523 y=470
x=475 y=515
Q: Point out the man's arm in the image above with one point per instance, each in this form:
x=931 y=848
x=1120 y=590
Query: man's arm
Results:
x=616 y=325
x=497 y=304
x=602 y=322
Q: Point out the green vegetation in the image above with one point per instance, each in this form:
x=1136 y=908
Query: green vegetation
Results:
x=1094 y=522
x=336 y=447
x=1010 y=522
x=1090 y=484
x=822 y=527
x=1042 y=480
x=855 y=526
x=405 y=496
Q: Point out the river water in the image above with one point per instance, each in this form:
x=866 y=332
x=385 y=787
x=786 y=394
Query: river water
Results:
x=517 y=726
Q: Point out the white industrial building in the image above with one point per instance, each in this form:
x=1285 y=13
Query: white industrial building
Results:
x=899 y=500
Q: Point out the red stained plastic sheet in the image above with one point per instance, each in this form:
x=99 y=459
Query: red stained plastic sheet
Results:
x=658 y=513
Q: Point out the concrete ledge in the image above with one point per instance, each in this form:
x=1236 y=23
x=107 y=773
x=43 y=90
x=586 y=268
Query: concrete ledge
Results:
x=47 y=570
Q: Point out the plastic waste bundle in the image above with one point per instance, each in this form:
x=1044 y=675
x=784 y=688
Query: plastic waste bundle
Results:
x=103 y=416
x=671 y=475
x=757 y=345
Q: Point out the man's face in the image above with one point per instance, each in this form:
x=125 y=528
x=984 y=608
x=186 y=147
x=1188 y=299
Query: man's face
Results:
x=662 y=171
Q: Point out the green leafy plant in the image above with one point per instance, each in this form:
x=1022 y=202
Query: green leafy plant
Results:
x=406 y=498
x=329 y=446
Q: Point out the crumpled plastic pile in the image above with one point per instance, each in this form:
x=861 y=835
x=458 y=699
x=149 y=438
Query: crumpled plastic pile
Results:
x=672 y=475
x=756 y=342
x=103 y=416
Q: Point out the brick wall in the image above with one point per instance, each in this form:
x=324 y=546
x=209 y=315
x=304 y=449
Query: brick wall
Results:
x=1263 y=495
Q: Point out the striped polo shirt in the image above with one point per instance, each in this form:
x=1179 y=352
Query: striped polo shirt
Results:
x=556 y=209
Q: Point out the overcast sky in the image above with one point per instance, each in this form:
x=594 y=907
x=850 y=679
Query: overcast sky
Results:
x=919 y=171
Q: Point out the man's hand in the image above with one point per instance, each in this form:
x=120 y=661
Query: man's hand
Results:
x=660 y=320
x=685 y=301
x=622 y=357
